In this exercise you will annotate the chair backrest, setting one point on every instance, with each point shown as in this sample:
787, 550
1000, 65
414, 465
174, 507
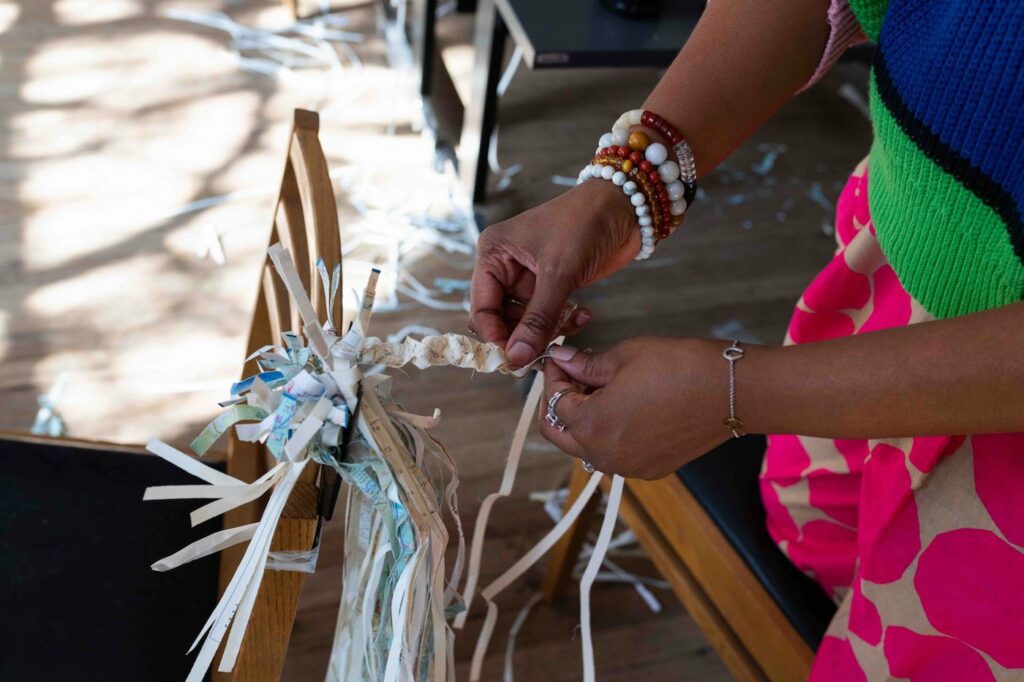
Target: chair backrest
306, 223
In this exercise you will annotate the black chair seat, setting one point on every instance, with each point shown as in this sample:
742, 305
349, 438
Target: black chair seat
725, 483
78, 597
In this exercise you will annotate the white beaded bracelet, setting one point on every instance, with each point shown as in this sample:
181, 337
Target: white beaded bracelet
636, 198
669, 171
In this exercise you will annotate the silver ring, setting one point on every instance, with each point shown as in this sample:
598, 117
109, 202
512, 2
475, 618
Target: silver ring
551, 417
587, 466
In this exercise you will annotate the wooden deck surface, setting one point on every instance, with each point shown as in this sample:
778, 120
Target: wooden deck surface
116, 117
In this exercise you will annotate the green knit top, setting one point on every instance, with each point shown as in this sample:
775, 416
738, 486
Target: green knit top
946, 181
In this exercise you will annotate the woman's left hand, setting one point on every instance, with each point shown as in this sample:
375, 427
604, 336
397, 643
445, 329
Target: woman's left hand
648, 406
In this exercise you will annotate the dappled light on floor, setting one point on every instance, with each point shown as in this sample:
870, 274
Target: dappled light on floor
142, 161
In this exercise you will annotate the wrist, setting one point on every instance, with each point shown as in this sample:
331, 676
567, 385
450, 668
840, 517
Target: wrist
615, 217
762, 398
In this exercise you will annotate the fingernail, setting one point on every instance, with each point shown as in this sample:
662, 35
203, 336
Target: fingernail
563, 353
520, 353
582, 317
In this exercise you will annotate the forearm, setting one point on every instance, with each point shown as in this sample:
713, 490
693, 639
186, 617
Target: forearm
956, 376
744, 60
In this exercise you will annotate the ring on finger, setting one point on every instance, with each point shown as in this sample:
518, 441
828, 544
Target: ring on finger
552, 418
587, 466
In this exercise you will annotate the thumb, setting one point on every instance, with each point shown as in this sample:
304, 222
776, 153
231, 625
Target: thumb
586, 368
539, 323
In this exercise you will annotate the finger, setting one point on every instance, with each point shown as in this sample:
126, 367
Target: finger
487, 296
515, 309
563, 440
513, 312
568, 409
576, 322
571, 404
590, 369
540, 320
522, 288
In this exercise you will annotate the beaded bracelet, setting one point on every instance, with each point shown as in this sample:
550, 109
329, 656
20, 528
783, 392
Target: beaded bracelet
643, 184
655, 194
682, 150
660, 189
638, 198
661, 205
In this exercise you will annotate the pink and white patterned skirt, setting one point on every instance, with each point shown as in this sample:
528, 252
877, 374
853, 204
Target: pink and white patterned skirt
919, 540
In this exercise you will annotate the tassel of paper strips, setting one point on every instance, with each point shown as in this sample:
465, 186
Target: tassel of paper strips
312, 402
305, 400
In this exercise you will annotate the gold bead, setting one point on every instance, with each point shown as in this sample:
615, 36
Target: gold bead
638, 141
627, 166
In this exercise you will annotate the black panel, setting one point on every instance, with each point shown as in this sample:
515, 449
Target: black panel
78, 600
725, 483
587, 33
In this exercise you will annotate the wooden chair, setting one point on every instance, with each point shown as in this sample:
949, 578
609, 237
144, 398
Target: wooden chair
306, 223
704, 531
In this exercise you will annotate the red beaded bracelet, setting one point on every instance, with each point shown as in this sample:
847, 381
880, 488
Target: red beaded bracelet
653, 121
680, 147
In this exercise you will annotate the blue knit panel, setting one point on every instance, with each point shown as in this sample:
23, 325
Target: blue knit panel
959, 66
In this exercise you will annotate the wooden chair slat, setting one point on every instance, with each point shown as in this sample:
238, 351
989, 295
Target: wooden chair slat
290, 224
753, 614
279, 311
688, 590
321, 221
306, 223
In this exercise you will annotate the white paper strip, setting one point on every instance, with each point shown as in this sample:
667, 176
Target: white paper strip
214, 542
307, 429
258, 487
513, 632
285, 267
508, 481
190, 464
611, 514
185, 492
520, 567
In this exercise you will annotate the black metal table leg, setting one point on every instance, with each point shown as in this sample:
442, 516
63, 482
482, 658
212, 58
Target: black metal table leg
423, 27
489, 39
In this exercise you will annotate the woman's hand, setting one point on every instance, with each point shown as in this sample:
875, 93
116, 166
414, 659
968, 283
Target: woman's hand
650, 405
655, 404
541, 257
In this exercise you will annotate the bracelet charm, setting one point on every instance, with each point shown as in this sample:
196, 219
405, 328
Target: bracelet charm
732, 354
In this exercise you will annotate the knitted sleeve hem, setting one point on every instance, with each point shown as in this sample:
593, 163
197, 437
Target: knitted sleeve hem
844, 32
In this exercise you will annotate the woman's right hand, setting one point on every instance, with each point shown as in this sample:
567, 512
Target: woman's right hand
540, 257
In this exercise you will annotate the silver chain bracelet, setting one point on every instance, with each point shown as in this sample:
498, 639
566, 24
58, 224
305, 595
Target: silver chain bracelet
732, 354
